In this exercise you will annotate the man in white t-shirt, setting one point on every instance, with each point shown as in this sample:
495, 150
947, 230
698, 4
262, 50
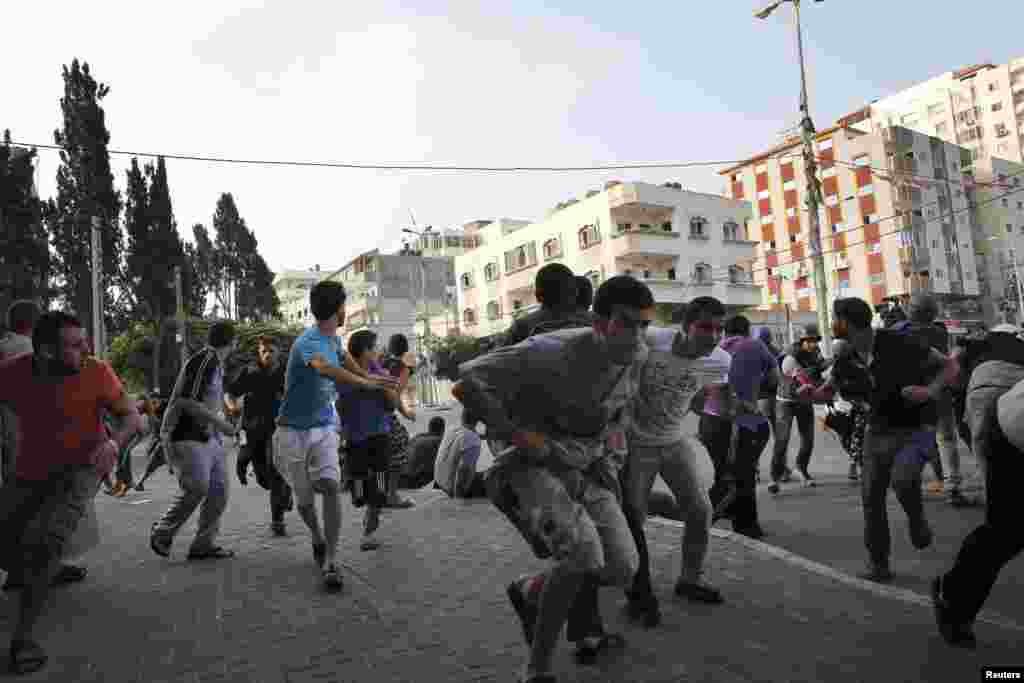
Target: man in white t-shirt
455, 467
680, 363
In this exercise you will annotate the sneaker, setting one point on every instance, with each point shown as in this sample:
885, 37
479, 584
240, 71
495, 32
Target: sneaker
159, 543
525, 609
804, 478
787, 476
332, 578
369, 542
644, 610
699, 591
879, 573
921, 534
773, 487
955, 633
278, 529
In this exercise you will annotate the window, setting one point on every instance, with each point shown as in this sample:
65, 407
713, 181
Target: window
731, 231
862, 160
491, 272
467, 280
828, 172
493, 310
1009, 229
698, 225
469, 316
875, 248
791, 212
453, 241
738, 276
792, 239
771, 245
761, 168
702, 274
589, 236
764, 194
552, 248
998, 106
765, 220
935, 244
992, 87
644, 226
1020, 206
672, 272
941, 128
1001, 131
825, 145
1006, 203
877, 279
789, 185
516, 304
437, 242
865, 190
831, 200
523, 256
625, 227
666, 226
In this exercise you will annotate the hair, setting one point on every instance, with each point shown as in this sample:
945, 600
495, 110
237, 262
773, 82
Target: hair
856, 312
436, 425
221, 334
361, 341
398, 345
326, 298
621, 290
700, 307
47, 330
555, 286
737, 326
584, 293
22, 315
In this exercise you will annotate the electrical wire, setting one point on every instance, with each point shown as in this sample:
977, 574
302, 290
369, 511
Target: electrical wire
402, 167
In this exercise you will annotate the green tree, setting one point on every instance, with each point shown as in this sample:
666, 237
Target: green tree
24, 245
85, 188
230, 235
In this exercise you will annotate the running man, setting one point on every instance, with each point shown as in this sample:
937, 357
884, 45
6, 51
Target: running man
306, 439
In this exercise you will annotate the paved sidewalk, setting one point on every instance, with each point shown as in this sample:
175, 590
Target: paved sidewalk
429, 605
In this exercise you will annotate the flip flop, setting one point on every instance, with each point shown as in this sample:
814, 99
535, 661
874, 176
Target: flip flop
27, 657
586, 653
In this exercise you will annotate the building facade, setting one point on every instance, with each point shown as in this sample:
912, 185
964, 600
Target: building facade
980, 108
895, 218
292, 287
682, 244
998, 199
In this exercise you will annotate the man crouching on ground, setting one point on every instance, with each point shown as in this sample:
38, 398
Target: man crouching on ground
556, 412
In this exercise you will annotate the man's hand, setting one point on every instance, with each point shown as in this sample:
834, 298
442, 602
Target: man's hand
917, 394
104, 458
531, 440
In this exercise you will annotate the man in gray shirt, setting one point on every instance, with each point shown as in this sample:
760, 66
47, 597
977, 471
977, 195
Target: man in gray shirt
556, 412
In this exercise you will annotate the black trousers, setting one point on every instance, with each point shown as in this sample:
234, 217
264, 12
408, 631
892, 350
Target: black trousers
987, 549
784, 414
715, 433
257, 452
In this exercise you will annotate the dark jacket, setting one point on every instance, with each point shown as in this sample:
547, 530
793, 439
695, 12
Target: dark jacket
546, 320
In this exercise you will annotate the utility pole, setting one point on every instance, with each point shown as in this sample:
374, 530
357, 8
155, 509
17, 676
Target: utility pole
179, 316
813, 187
99, 343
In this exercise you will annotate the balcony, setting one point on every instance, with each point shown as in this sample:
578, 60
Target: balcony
646, 242
646, 197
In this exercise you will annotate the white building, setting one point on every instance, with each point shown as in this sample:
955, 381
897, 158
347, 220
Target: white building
980, 108
682, 244
292, 287
999, 210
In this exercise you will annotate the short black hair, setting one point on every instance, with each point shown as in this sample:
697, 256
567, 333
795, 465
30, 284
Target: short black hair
700, 307
436, 425
584, 293
47, 330
856, 312
361, 341
398, 345
737, 326
555, 286
22, 315
621, 290
325, 298
221, 334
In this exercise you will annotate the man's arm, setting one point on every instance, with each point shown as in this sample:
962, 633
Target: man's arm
466, 470
344, 375
947, 376
485, 381
128, 421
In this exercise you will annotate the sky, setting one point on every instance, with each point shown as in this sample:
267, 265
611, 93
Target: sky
523, 83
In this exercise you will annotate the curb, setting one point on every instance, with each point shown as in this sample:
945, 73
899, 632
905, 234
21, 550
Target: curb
891, 592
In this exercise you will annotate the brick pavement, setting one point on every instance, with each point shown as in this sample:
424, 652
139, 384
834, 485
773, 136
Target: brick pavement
429, 605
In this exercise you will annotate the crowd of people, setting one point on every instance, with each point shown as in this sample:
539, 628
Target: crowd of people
583, 403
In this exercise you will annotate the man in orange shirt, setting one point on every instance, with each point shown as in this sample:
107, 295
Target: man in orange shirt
59, 396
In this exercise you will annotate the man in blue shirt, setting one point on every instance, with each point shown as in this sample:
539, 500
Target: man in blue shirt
306, 439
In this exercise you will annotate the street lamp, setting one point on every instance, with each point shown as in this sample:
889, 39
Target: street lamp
811, 173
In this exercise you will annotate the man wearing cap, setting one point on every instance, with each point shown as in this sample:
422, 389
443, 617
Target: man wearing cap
801, 383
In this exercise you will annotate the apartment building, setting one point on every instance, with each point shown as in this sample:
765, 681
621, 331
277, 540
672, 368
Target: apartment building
682, 244
980, 108
446, 243
998, 199
896, 218
292, 287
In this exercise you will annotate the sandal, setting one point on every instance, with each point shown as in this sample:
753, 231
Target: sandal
27, 657
216, 553
587, 651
